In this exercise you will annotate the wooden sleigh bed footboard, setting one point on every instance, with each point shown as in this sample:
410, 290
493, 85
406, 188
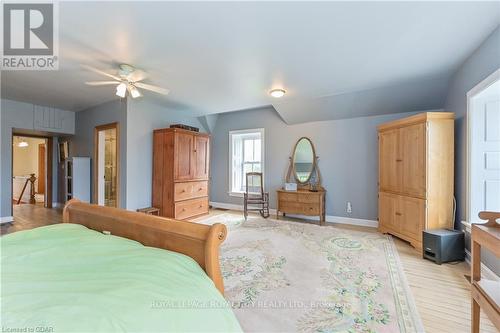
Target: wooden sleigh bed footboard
198, 241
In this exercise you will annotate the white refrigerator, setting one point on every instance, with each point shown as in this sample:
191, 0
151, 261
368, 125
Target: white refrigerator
81, 178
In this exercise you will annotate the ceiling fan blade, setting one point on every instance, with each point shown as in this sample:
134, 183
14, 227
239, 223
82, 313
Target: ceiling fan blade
101, 83
137, 75
98, 71
150, 87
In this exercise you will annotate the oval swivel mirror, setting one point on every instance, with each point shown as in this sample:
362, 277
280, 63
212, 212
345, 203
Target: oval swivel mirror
304, 159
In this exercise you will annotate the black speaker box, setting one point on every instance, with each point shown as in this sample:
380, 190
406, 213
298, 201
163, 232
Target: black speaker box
442, 245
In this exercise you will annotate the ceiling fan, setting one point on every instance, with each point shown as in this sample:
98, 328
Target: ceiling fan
127, 79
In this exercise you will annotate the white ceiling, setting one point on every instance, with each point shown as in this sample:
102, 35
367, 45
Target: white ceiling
225, 56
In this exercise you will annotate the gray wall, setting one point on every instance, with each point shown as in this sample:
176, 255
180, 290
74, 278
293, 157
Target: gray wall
82, 143
143, 117
483, 62
18, 116
347, 150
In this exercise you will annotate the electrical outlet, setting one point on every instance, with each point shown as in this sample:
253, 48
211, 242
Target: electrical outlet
349, 207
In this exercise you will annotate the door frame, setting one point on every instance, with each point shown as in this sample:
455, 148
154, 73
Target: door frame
49, 141
95, 170
44, 145
477, 89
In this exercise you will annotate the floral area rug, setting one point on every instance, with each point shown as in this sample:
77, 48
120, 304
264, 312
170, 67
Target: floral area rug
297, 277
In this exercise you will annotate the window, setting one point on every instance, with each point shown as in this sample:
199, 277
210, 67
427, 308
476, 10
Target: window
246, 155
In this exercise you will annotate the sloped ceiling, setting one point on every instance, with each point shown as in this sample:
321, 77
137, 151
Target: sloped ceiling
335, 59
209, 121
417, 95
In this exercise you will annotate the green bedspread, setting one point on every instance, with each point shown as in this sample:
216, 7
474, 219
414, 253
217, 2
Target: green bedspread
67, 278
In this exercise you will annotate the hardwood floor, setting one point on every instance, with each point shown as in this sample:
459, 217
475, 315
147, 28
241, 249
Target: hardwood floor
441, 292
31, 216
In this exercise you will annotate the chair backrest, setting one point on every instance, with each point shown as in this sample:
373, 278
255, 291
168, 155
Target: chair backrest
254, 183
491, 217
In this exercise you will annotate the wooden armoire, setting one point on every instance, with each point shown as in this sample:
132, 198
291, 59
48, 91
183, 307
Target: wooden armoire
416, 175
181, 162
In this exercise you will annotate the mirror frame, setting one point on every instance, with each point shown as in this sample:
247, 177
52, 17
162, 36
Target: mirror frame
315, 170
313, 161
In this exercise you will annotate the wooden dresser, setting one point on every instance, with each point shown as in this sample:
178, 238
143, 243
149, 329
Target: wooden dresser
485, 293
181, 162
302, 202
416, 175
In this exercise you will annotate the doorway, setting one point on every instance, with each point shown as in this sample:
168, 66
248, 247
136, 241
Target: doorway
483, 164
31, 170
106, 165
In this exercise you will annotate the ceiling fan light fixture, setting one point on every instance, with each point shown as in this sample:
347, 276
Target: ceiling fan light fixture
134, 92
277, 93
121, 90
128, 79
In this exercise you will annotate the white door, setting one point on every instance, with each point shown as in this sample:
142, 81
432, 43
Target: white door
484, 147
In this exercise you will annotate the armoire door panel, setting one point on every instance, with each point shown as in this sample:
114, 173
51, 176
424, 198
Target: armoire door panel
389, 161
201, 154
413, 217
389, 215
413, 155
184, 164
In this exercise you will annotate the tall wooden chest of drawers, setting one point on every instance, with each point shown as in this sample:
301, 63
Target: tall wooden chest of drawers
181, 162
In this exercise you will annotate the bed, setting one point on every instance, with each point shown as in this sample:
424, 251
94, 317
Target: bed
111, 270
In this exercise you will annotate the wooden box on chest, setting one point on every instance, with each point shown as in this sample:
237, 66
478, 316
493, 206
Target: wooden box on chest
181, 162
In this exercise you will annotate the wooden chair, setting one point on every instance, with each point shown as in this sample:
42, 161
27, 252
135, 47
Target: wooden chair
485, 293
255, 196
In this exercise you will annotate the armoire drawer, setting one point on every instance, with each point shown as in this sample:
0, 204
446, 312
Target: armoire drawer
190, 190
193, 207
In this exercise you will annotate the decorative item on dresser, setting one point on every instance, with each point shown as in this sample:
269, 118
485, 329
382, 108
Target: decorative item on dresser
309, 197
180, 172
485, 293
185, 127
416, 175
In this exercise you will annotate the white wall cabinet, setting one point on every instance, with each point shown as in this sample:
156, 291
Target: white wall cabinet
53, 120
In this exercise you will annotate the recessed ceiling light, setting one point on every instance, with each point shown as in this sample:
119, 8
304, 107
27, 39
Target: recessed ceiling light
23, 144
277, 93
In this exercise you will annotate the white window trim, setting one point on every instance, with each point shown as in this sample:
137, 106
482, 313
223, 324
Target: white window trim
492, 78
230, 191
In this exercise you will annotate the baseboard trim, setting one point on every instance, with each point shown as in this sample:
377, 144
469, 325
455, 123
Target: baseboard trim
328, 218
224, 205
485, 271
352, 221
6, 219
